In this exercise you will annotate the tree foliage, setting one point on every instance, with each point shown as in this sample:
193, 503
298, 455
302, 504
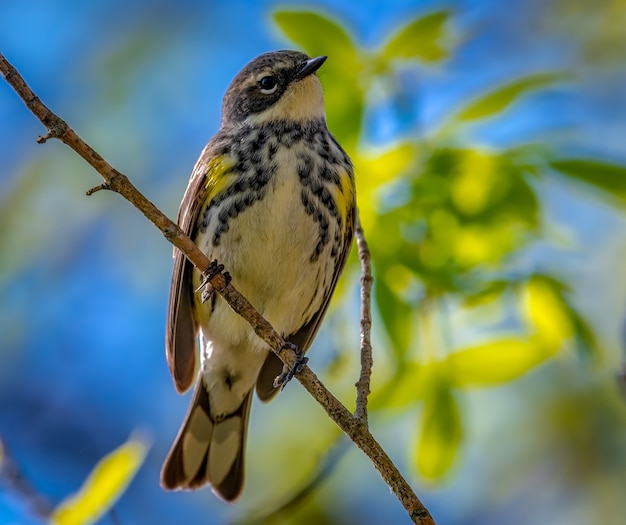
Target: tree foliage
448, 222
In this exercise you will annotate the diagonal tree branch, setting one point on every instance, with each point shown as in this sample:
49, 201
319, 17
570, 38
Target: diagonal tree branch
353, 427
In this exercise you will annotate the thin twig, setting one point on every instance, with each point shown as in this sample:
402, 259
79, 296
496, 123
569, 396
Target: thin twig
367, 360
118, 182
324, 469
115, 520
13, 478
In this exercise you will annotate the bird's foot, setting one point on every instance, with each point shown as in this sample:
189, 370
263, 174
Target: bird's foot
213, 270
298, 365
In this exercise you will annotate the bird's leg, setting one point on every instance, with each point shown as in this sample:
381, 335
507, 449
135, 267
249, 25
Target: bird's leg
213, 270
298, 365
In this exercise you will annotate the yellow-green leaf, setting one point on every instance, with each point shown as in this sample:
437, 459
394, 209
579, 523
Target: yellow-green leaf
585, 337
406, 387
375, 169
490, 293
495, 362
478, 175
440, 435
103, 487
419, 39
477, 244
498, 100
546, 313
396, 314
318, 35
380, 166
607, 177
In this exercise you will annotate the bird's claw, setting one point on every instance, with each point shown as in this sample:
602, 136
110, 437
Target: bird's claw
213, 270
298, 365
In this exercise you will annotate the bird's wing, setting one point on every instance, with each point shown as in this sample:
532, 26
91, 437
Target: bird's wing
303, 338
182, 329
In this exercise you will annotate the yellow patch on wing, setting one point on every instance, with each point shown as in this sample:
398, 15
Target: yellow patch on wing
344, 194
218, 175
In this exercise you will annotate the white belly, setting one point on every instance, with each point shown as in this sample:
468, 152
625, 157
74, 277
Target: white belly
267, 249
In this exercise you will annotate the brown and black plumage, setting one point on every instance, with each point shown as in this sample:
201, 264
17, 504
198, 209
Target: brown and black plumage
272, 199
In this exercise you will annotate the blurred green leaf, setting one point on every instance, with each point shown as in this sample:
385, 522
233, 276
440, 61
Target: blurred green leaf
546, 313
477, 185
466, 208
319, 35
36, 207
419, 39
440, 435
485, 293
120, 69
490, 187
495, 362
607, 177
585, 337
18, 206
476, 181
409, 385
586, 341
521, 202
103, 487
499, 99
396, 314
557, 284
382, 165
377, 168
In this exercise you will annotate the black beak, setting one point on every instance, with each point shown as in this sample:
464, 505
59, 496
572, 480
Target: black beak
310, 67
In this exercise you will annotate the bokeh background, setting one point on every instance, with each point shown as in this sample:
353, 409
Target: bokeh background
489, 144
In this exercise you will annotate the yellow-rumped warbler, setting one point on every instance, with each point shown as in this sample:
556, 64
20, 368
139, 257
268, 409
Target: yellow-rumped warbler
272, 198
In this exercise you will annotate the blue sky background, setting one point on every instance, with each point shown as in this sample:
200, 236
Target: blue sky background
84, 281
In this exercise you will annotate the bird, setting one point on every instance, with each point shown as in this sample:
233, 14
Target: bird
272, 198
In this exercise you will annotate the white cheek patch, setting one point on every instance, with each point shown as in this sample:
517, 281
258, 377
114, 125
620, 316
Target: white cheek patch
303, 101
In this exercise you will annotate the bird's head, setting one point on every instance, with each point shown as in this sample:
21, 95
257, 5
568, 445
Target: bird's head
281, 85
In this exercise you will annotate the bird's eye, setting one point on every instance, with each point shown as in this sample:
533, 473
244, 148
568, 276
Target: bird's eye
268, 85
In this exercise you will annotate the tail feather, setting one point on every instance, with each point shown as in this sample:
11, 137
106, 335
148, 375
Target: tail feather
208, 451
265, 388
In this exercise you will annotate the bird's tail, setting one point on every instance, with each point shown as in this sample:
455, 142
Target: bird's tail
208, 451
